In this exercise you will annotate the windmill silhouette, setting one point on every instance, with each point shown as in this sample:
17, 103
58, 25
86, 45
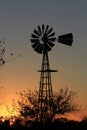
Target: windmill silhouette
42, 40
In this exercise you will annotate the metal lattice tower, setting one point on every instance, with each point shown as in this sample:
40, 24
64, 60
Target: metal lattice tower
45, 90
42, 40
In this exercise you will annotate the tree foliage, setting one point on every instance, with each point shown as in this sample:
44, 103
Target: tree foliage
63, 102
28, 104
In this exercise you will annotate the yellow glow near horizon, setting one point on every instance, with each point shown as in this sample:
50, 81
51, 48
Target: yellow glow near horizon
7, 111
8, 106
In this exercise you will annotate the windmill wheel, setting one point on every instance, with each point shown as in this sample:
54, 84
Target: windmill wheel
42, 39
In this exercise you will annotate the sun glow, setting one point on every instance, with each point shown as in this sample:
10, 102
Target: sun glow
8, 111
5, 113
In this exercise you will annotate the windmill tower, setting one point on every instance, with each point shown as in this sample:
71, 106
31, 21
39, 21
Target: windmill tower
42, 40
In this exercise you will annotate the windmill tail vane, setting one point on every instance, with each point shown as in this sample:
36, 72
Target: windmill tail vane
66, 39
42, 41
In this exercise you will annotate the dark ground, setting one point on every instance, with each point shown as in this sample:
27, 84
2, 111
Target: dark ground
56, 125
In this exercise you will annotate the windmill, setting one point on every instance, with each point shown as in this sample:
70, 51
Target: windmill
42, 40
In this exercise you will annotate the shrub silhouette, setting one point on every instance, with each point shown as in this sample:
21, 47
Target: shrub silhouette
63, 102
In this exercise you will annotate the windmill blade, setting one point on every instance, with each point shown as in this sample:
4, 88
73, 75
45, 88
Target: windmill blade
34, 36
43, 28
36, 32
52, 34
50, 43
34, 40
46, 29
38, 48
35, 45
49, 31
66, 39
43, 38
47, 47
39, 30
52, 39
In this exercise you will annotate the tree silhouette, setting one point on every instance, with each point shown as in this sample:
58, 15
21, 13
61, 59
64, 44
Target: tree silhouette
63, 102
28, 104
2, 53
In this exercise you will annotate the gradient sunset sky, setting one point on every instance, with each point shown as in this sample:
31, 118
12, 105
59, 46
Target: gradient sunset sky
18, 18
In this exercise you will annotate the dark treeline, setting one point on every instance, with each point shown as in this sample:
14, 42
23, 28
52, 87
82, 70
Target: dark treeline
60, 124
64, 102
